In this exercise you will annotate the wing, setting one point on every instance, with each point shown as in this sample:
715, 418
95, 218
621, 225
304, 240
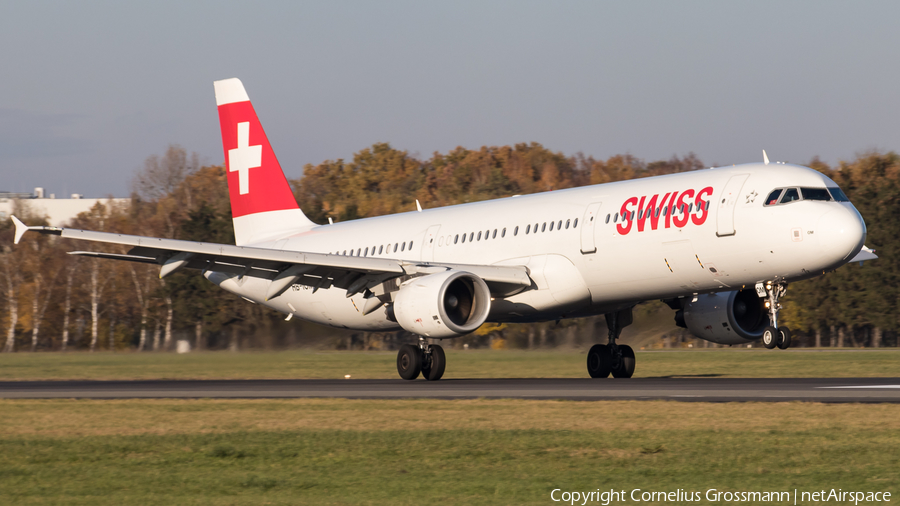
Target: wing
283, 268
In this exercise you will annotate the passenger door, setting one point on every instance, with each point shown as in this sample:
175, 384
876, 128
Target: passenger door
726, 203
430, 242
587, 228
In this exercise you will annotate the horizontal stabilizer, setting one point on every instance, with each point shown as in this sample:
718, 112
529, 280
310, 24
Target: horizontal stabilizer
864, 254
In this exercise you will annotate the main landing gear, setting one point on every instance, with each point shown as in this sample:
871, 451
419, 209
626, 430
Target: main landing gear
428, 359
773, 335
612, 358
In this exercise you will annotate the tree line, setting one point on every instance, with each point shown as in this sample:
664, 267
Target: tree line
56, 301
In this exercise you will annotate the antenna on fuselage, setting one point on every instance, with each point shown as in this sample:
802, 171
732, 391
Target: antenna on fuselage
765, 157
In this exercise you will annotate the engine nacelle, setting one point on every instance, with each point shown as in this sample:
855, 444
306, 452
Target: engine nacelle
446, 304
727, 317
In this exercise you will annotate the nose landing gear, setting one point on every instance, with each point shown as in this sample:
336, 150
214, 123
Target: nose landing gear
773, 335
612, 358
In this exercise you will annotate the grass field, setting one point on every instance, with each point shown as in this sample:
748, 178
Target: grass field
385, 452
335, 451
299, 364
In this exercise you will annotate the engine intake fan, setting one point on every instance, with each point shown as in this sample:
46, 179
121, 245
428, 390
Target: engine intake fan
446, 304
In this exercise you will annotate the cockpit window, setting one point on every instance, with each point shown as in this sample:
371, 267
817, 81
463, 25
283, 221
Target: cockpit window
790, 195
815, 194
772, 199
838, 194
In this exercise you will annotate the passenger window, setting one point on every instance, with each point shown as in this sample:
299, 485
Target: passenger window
575, 224
471, 235
479, 235
455, 239
495, 234
528, 229
690, 208
815, 194
464, 239
632, 216
559, 225
366, 252
441, 241
640, 214
551, 226
395, 247
569, 222
616, 218
487, 235
380, 249
544, 227
790, 195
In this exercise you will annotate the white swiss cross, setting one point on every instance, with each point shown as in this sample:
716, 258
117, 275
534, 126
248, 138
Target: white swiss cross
244, 157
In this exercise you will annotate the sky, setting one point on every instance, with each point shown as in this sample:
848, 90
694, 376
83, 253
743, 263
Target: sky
91, 89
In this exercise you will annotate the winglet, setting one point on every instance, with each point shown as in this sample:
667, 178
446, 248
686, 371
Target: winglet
765, 157
21, 228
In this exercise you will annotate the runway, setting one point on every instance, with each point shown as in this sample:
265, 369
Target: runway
841, 390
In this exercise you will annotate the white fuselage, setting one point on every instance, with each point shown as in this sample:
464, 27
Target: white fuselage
603, 263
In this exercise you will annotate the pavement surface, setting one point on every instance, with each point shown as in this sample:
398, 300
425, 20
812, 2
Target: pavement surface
679, 389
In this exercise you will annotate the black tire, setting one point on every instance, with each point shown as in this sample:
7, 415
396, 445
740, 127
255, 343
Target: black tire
599, 362
770, 337
784, 338
409, 362
433, 368
624, 366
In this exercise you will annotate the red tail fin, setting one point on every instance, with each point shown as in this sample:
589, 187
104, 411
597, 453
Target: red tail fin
262, 204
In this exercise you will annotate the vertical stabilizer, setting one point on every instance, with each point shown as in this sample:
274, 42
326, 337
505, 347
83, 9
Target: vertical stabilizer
262, 204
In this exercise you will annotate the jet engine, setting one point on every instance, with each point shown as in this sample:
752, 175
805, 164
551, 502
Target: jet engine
725, 317
446, 304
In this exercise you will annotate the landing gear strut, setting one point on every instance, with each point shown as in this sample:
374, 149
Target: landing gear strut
773, 335
617, 359
428, 359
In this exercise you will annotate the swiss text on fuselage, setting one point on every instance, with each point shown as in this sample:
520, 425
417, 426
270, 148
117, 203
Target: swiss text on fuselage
673, 209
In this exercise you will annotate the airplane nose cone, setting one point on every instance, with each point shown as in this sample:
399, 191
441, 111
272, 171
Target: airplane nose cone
841, 233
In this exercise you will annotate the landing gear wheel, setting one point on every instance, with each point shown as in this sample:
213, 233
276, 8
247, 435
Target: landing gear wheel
784, 338
434, 363
770, 337
599, 361
623, 366
409, 362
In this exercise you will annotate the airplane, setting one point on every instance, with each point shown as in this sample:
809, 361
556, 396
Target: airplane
718, 245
